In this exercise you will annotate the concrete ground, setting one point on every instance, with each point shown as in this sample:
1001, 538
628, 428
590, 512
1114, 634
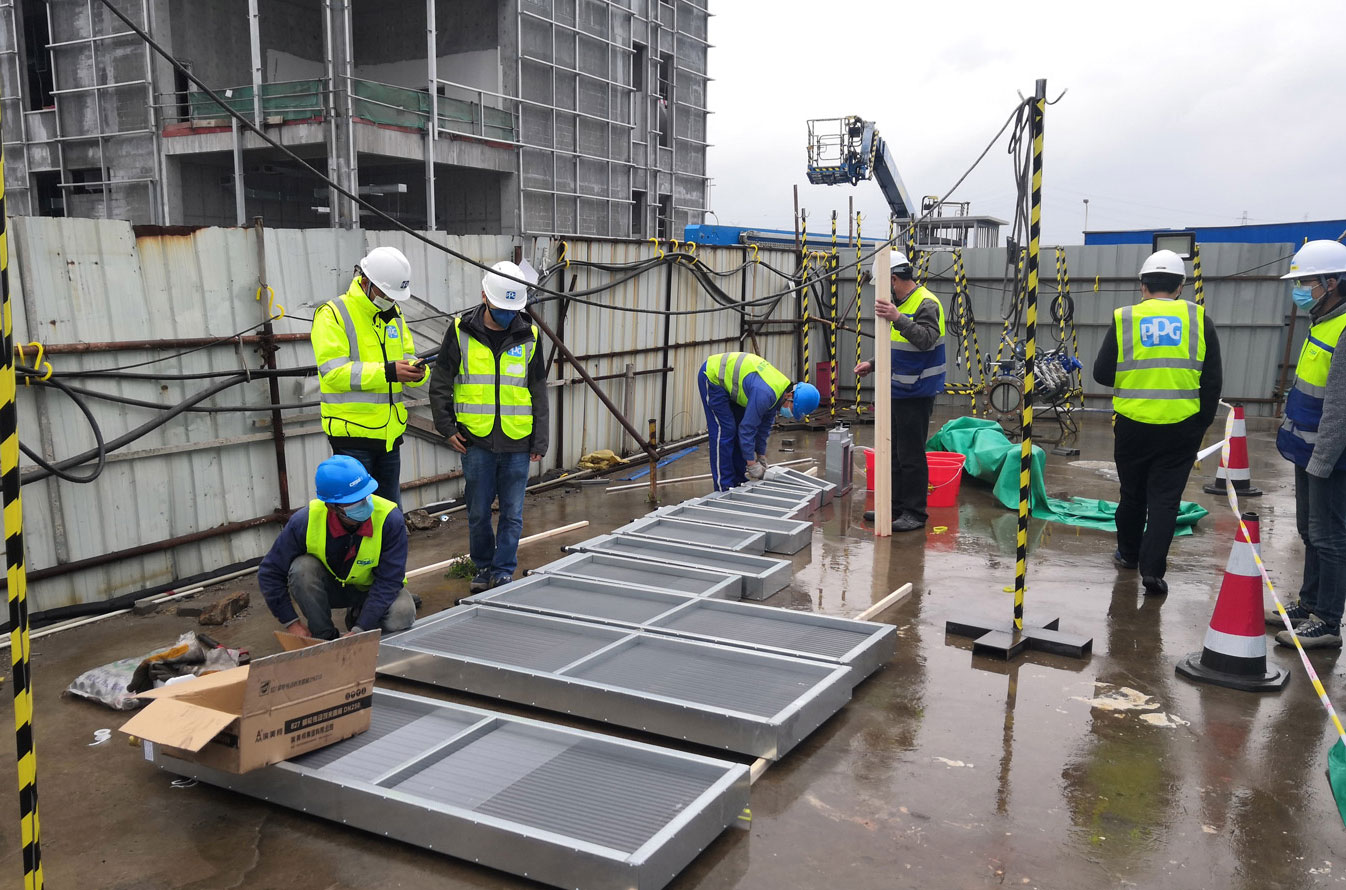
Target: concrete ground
945, 770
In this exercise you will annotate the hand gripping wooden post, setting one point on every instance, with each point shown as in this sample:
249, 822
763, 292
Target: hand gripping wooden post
883, 403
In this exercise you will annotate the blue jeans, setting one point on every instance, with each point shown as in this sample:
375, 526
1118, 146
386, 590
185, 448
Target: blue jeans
316, 593
1320, 516
728, 466
384, 466
488, 476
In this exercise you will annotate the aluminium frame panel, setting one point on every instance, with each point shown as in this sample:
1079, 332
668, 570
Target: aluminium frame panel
638, 574
785, 536
762, 576
786, 490
721, 503
792, 476
749, 702
735, 538
506, 769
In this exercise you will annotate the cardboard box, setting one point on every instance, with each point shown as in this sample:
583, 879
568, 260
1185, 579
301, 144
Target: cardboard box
305, 698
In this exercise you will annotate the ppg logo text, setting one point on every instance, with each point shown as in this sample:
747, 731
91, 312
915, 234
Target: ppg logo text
1161, 331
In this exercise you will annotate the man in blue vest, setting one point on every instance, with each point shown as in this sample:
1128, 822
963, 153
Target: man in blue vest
346, 550
1313, 437
916, 338
1162, 359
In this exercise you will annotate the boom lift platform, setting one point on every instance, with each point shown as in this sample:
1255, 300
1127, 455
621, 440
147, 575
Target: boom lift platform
850, 150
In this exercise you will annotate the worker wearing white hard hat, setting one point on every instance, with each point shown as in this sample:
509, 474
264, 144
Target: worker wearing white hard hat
916, 342
365, 356
1313, 437
1161, 357
489, 400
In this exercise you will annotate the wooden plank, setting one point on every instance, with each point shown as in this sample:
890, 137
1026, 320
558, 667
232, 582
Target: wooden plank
883, 405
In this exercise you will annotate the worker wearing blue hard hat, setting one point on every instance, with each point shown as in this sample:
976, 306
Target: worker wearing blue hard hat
742, 394
916, 338
346, 550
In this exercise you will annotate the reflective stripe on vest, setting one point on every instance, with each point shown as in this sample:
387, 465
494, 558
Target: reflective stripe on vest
481, 374
371, 548
917, 372
727, 370
1304, 403
374, 410
1161, 348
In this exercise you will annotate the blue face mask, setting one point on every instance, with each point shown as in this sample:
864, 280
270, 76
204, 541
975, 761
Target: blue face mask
503, 317
785, 413
1303, 297
360, 510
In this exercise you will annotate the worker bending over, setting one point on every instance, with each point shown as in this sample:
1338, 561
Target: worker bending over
365, 357
916, 340
1161, 357
742, 393
489, 399
1313, 437
346, 550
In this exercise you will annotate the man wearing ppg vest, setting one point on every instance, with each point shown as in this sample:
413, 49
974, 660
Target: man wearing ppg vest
1162, 359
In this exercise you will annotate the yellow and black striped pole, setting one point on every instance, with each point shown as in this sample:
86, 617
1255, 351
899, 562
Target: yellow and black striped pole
1067, 327
17, 576
807, 290
1198, 283
834, 263
859, 280
1030, 352
967, 332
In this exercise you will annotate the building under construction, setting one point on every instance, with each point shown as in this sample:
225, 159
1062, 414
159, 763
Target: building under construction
472, 117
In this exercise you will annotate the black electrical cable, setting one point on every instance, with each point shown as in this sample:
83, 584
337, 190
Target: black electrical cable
100, 449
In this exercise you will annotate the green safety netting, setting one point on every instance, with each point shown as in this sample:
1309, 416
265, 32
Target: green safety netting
293, 100
994, 459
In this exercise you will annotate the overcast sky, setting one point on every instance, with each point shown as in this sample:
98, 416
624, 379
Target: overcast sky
1178, 113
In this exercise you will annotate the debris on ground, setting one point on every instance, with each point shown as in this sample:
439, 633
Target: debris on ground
117, 684
603, 459
420, 521
225, 609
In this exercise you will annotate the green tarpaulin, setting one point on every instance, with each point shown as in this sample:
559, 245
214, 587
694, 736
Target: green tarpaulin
994, 459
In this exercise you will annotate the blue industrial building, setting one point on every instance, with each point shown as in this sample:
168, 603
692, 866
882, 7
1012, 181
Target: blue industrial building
1270, 233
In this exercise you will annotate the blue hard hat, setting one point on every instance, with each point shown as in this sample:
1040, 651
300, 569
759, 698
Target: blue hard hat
342, 479
805, 399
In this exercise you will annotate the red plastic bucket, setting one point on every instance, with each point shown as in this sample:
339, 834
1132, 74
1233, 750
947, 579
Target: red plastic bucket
869, 469
946, 475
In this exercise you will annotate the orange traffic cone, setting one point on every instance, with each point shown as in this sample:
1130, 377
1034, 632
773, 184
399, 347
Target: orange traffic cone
1235, 654
1238, 471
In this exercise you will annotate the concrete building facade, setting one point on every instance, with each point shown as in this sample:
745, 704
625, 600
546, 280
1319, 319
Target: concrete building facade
540, 117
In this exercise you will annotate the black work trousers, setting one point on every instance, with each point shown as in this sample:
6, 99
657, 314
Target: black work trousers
911, 475
1153, 463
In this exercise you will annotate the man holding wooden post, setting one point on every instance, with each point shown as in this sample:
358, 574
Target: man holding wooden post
916, 352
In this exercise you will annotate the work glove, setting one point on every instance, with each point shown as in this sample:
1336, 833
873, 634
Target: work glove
762, 461
756, 471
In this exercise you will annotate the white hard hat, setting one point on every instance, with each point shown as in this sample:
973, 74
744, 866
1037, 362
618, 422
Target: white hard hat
1317, 258
501, 292
1165, 261
388, 269
896, 260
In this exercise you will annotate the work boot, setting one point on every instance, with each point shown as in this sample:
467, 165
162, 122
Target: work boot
907, 523
1313, 634
1155, 586
500, 580
1122, 562
481, 582
1294, 611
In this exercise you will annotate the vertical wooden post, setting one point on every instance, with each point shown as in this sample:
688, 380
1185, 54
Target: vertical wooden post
883, 403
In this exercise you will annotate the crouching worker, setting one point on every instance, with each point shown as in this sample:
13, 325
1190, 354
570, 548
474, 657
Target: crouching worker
346, 550
742, 394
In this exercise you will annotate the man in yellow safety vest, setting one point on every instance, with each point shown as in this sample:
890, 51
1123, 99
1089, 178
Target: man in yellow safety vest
346, 550
1161, 357
365, 358
1313, 437
489, 399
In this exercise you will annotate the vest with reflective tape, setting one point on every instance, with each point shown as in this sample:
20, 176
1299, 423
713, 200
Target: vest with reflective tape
917, 372
1304, 405
1161, 347
482, 374
353, 344
366, 558
728, 369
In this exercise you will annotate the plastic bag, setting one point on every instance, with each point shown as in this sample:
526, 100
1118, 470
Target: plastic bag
117, 684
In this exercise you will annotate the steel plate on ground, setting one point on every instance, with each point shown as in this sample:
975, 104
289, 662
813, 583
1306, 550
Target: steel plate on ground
563, 806
782, 535
644, 574
741, 539
762, 576
860, 645
722, 696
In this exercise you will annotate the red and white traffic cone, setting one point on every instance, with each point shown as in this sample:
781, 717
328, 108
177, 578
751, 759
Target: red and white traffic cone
1235, 654
1237, 471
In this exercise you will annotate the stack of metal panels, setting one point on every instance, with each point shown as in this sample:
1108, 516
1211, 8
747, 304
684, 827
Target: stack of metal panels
781, 535
761, 576
636, 574
563, 806
742, 539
